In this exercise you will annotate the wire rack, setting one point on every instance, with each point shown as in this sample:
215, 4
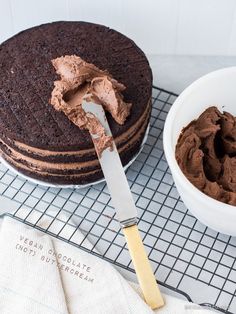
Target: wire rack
187, 257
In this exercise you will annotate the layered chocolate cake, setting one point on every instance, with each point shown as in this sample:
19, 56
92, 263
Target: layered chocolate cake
39, 140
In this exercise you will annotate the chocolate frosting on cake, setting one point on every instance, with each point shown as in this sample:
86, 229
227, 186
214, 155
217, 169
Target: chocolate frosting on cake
206, 153
84, 81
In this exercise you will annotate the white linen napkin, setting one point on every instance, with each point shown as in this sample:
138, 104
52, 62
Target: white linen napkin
42, 275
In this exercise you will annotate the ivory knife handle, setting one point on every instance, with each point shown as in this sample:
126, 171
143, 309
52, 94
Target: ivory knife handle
146, 278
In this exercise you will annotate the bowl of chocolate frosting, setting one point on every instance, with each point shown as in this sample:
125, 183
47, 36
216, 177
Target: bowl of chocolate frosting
200, 148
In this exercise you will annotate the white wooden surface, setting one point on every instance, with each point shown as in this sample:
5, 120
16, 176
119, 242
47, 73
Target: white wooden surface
174, 27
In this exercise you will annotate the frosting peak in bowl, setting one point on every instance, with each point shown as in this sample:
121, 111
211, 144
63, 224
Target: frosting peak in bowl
206, 153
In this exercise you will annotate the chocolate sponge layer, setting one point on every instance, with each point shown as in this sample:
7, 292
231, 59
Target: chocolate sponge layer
27, 118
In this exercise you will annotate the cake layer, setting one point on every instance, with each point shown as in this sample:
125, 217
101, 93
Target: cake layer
27, 83
79, 155
63, 167
43, 143
85, 175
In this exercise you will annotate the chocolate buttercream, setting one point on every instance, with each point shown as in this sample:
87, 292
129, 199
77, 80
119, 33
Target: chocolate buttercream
206, 153
81, 80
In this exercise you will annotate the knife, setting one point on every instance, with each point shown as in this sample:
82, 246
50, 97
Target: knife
126, 210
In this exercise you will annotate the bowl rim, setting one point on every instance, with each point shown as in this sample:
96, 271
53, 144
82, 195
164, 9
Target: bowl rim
170, 153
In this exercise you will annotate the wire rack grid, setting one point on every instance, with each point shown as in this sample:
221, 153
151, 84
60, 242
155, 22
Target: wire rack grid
187, 257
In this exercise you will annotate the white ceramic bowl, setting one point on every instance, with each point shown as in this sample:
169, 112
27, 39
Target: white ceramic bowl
219, 89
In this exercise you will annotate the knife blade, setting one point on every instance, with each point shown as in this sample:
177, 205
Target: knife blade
112, 168
126, 210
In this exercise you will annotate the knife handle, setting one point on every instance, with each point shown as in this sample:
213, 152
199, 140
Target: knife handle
146, 278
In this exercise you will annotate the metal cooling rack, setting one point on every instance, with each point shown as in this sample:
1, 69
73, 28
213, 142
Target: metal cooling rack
188, 258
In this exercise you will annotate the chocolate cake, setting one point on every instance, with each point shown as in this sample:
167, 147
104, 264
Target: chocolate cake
43, 143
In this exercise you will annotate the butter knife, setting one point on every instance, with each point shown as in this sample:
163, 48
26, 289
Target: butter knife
126, 210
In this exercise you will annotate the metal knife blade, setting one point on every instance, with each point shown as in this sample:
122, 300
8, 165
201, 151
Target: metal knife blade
126, 211
114, 174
